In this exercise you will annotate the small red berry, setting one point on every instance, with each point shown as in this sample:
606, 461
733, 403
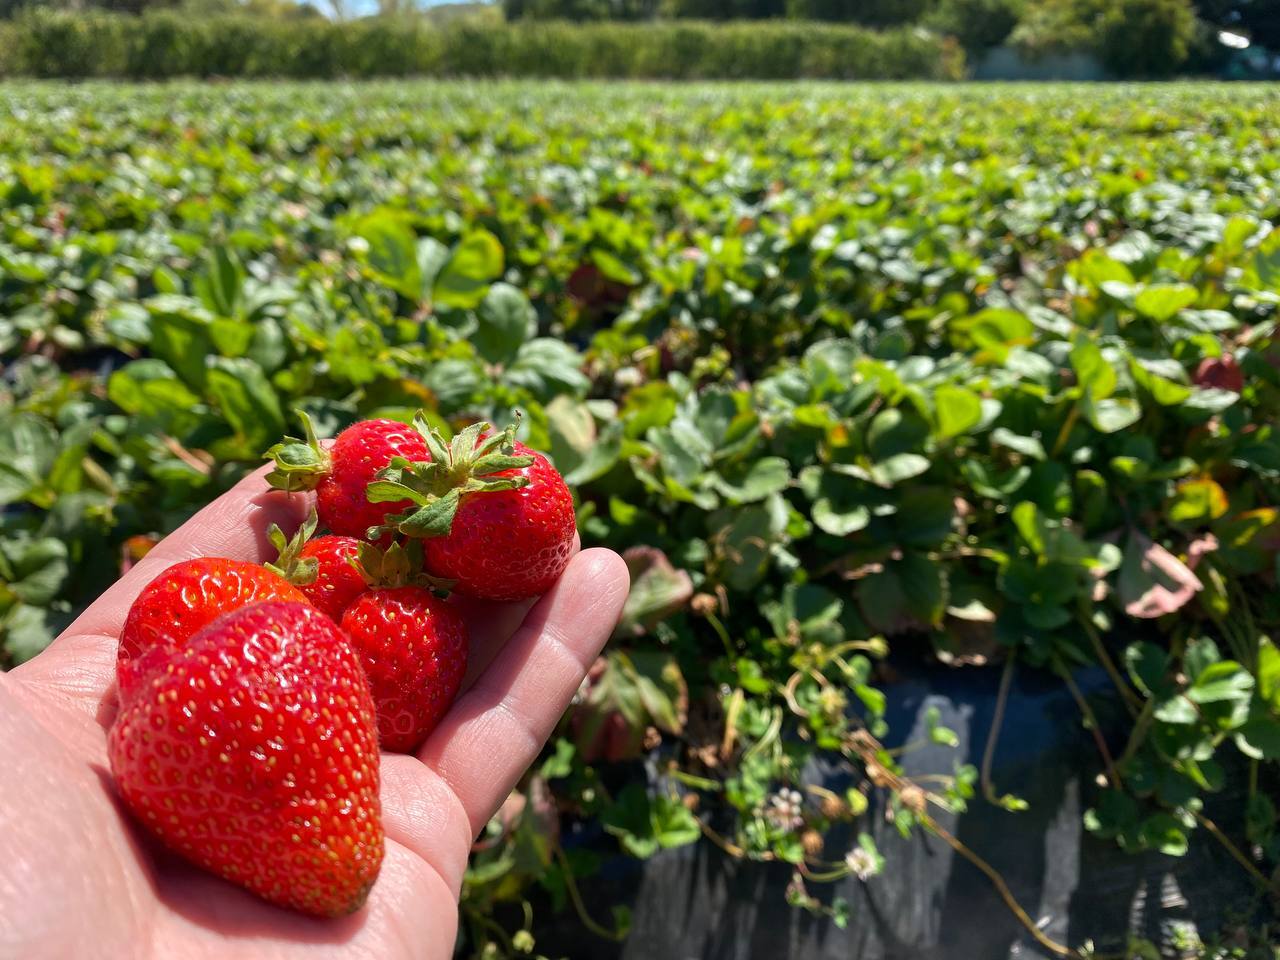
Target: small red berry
252, 751
338, 580
413, 647
184, 599
341, 475
494, 516
508, 544
358, 453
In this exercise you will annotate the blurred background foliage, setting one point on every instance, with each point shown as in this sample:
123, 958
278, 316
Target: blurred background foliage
682, 39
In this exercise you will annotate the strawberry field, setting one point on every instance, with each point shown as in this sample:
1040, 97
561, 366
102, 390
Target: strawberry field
857, 378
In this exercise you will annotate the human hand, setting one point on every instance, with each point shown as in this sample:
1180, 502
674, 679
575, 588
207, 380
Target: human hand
78, 879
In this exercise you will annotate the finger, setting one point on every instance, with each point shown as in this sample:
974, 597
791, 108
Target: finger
490, 625
234, 525
422, 813
496, 729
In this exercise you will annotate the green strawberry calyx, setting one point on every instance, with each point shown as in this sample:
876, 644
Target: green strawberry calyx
289, 563
465, 466
300, 464
399, 565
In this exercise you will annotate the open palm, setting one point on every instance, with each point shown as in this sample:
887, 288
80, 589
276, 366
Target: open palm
78, 879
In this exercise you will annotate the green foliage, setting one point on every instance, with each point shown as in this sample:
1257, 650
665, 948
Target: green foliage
870, 13
1132, 38
977, 24
44, 43
1146, 38
837, 368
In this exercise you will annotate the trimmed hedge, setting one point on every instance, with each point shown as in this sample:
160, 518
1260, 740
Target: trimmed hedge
162, 45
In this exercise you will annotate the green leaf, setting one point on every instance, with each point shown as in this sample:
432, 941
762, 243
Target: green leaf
1164, 391
937, 733
674, 824
1162, 832
37, 569
1201, 654
28, 446
643, 825
465, 277
745, 535
1027, 446
220, 286
1259, 736
925, 516
752, 482
129, 321
910, 592
899, 467
839, 521
547, 367
1268, 672
1176, 709
433, 519
958, 409
26, 631
505, 321
1113, 415
658, 590
1161, 301
245, 396
1094, 374
995, 330
1225, 680
560, 763
183, 341
1196, 502
1147, 666
893, 432
431, 255
392, 252
1211, 399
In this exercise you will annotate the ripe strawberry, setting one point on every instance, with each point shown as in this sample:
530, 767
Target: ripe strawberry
1221, 372
497, 518
337, 581
413, 647
185, 598
324, 569
341, 475
252, 751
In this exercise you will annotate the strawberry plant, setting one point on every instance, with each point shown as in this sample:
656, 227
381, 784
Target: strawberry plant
984, 376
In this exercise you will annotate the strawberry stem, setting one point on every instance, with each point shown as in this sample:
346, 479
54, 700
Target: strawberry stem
397, 566
465, 466
298, 570
300, 464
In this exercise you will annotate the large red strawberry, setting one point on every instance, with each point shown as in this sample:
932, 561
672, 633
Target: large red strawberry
252, 751
341, 475
497, 518
413, 647
184, 599
324, 569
